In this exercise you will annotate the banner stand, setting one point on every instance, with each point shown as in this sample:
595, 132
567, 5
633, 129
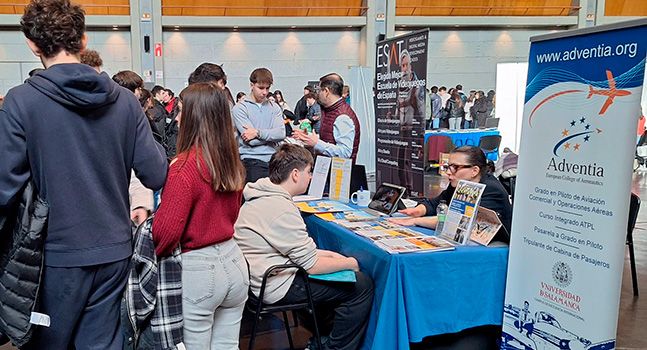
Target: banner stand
572, 196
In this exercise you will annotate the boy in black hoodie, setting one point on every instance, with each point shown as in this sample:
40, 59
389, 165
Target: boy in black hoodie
77, 134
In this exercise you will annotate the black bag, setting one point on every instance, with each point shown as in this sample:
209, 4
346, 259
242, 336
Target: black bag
444, 114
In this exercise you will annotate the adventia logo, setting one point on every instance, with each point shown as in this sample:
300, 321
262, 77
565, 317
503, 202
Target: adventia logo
575, 136
578, 169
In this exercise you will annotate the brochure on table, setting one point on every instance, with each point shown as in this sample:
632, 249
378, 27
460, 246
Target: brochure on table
340, 179
322, 206
462, 211
486, 226
578, 140
415, 244
318, 182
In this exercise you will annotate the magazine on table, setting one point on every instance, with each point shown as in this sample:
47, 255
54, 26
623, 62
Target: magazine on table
462, 212
323, 206
356, 225
486, 227
415, 244
378, 233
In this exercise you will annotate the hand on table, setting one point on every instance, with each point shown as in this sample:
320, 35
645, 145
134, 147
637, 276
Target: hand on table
403, 221
416, 212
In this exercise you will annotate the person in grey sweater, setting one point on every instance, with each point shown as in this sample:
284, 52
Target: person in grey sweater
271, 231
259, 125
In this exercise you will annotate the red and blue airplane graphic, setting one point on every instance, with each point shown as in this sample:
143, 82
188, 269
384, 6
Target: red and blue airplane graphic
612, 92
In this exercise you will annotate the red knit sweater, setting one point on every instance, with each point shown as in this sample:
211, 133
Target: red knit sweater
192, 213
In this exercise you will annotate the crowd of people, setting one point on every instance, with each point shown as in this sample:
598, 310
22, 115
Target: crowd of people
453, 109
199, 149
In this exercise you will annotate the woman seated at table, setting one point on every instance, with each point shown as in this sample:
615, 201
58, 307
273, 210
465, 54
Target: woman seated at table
465, 163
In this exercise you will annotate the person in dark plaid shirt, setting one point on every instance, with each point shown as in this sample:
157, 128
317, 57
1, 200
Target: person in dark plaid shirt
153, 297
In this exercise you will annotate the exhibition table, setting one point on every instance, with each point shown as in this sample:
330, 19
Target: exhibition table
421, 294
459, 138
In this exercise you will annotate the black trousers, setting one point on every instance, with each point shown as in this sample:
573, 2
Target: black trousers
350, 304
84, 306
256, 169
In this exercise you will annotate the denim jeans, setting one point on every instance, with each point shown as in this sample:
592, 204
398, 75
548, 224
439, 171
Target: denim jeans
215, 280
454, 123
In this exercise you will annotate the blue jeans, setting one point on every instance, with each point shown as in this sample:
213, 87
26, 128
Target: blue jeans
215, 281
454, 123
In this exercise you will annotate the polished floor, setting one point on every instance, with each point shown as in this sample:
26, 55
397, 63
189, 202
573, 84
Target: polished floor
632, 319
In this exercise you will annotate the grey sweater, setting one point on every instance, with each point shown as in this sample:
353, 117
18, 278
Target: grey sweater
267, 118
270, 231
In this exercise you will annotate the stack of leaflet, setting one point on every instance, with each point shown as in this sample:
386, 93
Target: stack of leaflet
395, 238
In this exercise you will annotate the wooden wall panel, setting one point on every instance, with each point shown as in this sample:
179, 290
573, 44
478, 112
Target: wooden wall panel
269, 8
91, 7
484, 8
625, 8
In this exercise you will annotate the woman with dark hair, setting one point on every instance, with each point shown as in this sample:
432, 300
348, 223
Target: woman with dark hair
240, 96
278, 96
200, 205
455, 108
465, 163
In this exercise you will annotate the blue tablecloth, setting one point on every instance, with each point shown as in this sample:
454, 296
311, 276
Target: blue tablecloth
421, 294
465, 137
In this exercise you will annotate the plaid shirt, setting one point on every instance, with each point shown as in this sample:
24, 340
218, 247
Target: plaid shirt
155, 291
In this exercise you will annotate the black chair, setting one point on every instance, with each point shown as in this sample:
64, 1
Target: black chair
490, 144
634, 207
260, 308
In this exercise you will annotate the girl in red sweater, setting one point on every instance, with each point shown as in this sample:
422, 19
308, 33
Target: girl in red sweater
200, 205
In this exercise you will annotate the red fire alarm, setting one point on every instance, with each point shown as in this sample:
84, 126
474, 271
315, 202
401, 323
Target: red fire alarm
158, 49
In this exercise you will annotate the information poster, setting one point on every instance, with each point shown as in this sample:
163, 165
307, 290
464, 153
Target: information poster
571, 205
340, 179
401, 78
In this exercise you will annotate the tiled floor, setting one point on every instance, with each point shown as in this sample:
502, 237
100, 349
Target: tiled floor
633, 310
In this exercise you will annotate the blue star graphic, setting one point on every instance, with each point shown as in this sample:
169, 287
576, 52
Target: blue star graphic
587, 126
586, 138
573, 123
582, 120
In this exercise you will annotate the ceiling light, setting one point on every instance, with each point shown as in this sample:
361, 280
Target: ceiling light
293, 27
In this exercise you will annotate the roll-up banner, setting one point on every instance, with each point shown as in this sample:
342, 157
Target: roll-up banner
572, 196
400, 92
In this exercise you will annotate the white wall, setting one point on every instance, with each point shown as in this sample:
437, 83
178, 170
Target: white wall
16, 60
293, 57
469, 56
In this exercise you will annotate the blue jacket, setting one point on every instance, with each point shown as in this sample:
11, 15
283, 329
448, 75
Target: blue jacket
79, 135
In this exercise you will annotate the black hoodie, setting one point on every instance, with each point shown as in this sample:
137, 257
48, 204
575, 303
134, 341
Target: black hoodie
80, 134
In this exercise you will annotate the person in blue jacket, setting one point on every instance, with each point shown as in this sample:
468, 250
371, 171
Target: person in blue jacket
77, 135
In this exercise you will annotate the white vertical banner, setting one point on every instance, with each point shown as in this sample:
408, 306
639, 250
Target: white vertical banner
571, 205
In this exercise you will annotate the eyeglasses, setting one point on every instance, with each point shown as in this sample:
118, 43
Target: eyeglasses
454, 167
